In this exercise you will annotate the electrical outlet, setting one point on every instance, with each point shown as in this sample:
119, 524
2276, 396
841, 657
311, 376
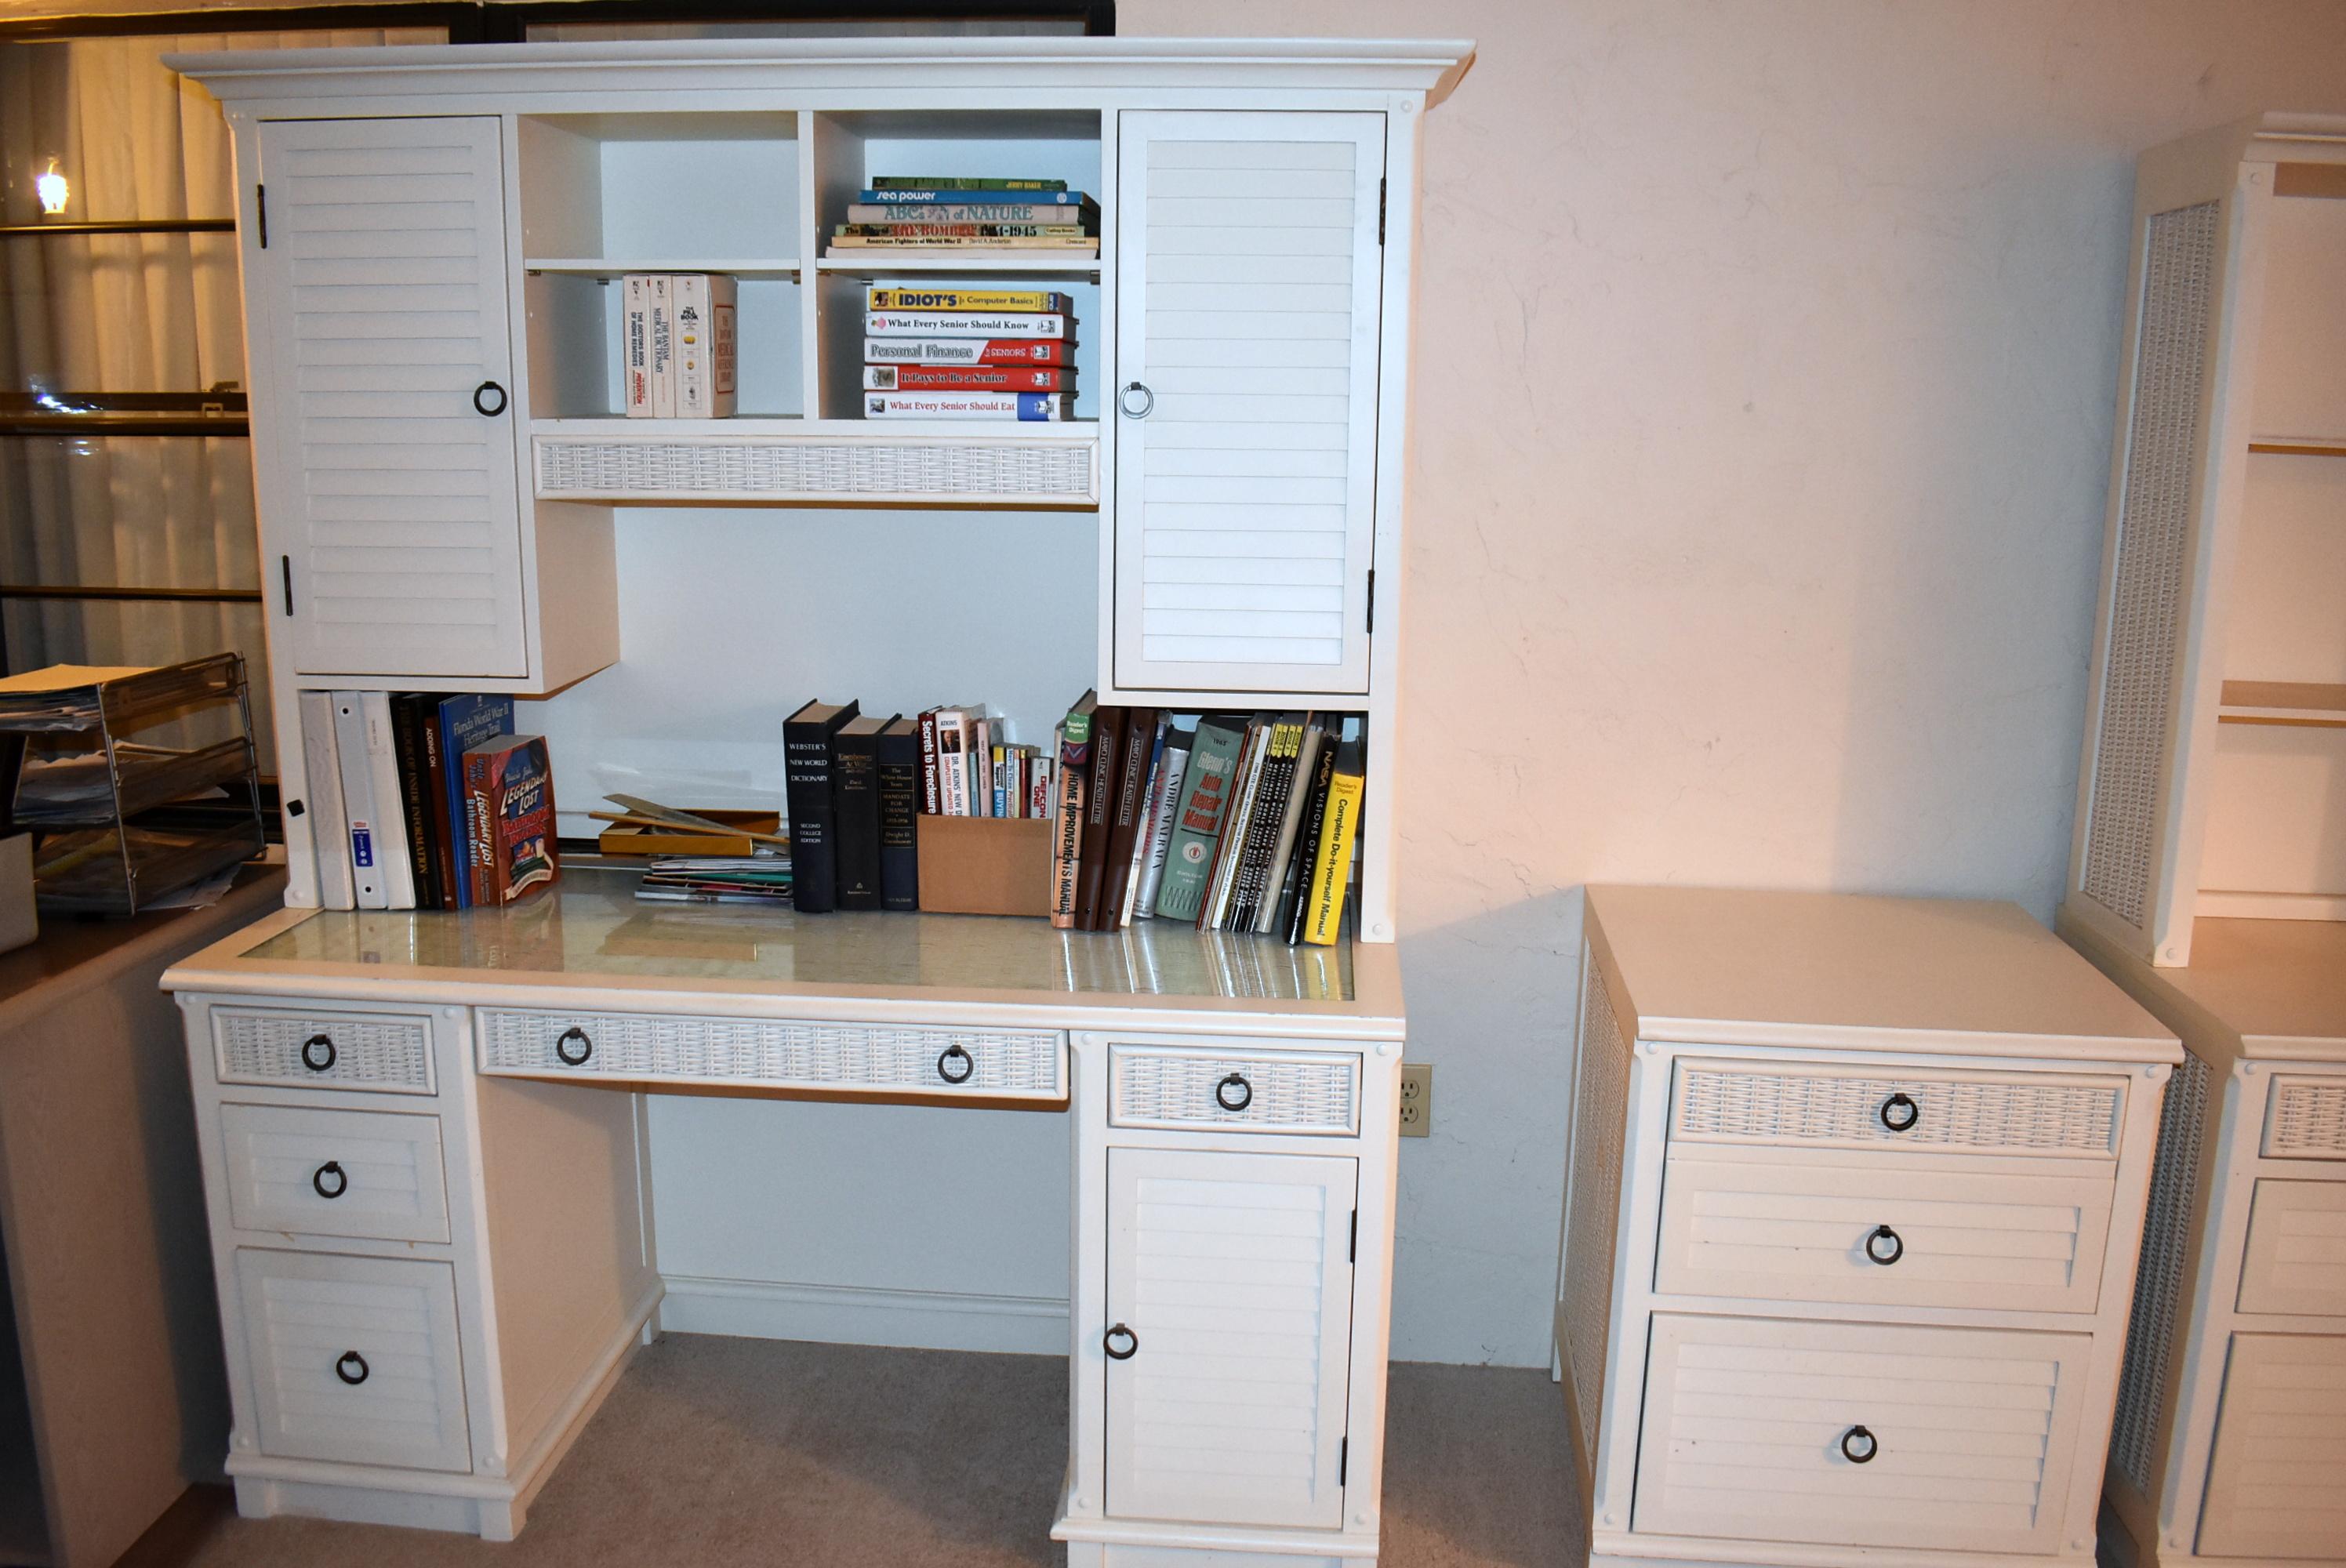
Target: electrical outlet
1416, 1099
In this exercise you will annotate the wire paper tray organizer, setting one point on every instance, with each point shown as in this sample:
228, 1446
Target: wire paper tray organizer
134, 787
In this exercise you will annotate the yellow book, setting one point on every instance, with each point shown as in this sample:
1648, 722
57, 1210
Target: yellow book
1331, 869
1045, 302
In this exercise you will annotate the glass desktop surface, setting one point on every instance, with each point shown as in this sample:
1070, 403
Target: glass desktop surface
590, 924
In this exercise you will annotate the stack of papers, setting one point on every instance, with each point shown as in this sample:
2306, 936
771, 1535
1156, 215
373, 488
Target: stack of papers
763, 878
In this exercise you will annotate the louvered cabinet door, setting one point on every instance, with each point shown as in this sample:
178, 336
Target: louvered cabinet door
1249, 287
1231, 1287
393, 495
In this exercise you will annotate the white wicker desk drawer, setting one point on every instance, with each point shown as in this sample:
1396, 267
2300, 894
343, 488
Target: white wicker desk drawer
2308, 1119
1875, 1228
1944, 1111
390, 1052
1236, 1090
302, 1171
1858, 1434
842, 1058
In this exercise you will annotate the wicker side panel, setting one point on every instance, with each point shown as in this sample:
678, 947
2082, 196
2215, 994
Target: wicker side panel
2309, 1120
1600, 1122
1150, 1088
2158, 1281
2149, 598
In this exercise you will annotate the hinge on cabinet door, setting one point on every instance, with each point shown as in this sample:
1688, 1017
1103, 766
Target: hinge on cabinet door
1381, 212
260, 211
1369, 620
1343, 1458
1353, 1248
285, 565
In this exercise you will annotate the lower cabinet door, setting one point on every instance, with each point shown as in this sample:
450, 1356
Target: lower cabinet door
354, 1358
1229, 1301
1858, 1434
2274, 1484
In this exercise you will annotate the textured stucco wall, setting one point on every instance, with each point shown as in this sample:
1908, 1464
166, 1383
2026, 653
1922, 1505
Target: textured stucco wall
1765, 356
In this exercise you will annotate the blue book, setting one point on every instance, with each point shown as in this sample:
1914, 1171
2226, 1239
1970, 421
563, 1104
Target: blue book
975, 197
466, 723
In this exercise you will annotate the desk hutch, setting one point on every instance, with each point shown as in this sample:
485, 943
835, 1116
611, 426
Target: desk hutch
424, 1133
2208, 870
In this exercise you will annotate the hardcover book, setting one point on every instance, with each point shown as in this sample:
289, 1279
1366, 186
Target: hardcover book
1293, 903
410, 718
1138, 745
1333, 867
899, 767
814, 828
971, 300
928, 182
1075, 761
509, 817
855, 800
1025, 407
968, 351
635, 345
1198, 827
1021, 211
964, 325
967, 378
466, 722
705, 344
1099, 812
662, 298
1030, 192
1163, 809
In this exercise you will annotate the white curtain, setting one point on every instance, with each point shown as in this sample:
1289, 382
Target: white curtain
121, 314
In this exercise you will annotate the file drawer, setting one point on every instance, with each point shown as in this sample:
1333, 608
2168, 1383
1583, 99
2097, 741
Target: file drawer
2296, 1255
1858, 1434
1244, 1091
1824, 1225
354, 1360
390, 1052
304, 1171
1947, 1112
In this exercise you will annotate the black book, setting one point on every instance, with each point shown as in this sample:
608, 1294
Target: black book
855, 794
416, 791
1294, 903
1099, 813
807, 737
900, 814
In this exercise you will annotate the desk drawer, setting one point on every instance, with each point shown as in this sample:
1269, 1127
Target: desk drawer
354, 1360
1242, 1091
308, 1172
1822, 1225
843, 1058
1858, 1434
2308, 1119
1946, 1112
390, 1052
2296, 1255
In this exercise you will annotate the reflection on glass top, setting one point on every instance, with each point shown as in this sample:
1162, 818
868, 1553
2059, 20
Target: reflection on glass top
591, 925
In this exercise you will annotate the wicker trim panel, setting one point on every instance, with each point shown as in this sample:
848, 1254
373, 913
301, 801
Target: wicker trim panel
2307, 1120
808, 468
389, 1054
2159, 1277
1593, 1200
1981, 1114
1155, 1086
2152, 573
871, 1058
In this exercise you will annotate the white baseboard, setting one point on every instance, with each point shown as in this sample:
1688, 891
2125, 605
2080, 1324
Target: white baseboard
856, 1314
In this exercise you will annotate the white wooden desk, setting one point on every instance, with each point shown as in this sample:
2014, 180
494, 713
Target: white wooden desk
426, 1158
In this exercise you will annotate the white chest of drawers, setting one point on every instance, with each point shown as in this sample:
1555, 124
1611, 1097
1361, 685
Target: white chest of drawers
1855, 1190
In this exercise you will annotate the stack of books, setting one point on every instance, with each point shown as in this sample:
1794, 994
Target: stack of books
969, 216
678, 337
968, 353
1240, 824
418, 801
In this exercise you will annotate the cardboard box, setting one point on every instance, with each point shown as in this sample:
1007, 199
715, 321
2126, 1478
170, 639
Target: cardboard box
18, 923
986, 865
627, 838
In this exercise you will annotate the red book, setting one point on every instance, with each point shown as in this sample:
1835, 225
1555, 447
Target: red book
979, 378
509, 818
968, 351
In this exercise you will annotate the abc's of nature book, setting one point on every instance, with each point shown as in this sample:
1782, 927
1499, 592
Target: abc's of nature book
509, 818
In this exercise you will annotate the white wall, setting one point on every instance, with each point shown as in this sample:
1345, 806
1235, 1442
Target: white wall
1765, 361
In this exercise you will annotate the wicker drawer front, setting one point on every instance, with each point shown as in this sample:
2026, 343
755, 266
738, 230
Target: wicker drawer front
1245, 1090
387, 1052
848, 1058
2029, 1113
1800, 1225
2308, 1119
1858, 1434
301, 1171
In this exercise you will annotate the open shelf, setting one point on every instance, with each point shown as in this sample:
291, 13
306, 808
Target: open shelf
599, 266
2282, 702
900, 264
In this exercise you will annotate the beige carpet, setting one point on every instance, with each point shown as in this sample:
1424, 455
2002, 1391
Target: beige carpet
717, 1452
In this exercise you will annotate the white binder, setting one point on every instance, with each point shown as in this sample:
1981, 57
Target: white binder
330, 827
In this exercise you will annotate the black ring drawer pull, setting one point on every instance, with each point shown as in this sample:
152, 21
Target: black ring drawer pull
968, 1064
318, 1052
1849, 1451
349, 1360
330, 1168
1131, 1343
562, 1047
1876, 1250
481, 393
1899, 1113
1124, 401
1239, 1101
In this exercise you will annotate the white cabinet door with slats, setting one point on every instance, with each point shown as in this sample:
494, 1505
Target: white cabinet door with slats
2273, 1486
393, 498
1230, 1283
1249, 291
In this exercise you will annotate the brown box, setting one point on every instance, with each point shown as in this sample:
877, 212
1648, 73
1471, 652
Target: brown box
986, 865
628, 839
